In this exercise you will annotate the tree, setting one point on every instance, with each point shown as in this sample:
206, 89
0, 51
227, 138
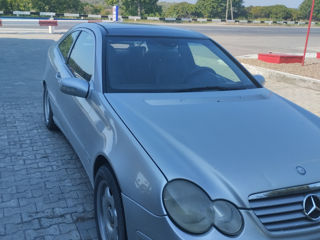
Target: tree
113, 2
96, 9
217, 8
181, 10
57, 5
280, 12
136, 7
258, 12
3, 5
275, 12
305, 9
15, 5
295, 14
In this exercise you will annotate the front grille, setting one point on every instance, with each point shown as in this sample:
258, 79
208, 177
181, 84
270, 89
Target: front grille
282, 210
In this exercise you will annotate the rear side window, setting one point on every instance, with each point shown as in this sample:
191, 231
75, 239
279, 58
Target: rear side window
81, 61
67, 43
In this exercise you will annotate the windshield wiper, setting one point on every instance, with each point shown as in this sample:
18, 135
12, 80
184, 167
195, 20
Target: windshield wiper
208, 88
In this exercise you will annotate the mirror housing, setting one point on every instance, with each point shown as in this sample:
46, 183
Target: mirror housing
74, 87
260, 79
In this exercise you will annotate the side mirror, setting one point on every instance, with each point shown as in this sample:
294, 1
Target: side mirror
260, 79
74, 86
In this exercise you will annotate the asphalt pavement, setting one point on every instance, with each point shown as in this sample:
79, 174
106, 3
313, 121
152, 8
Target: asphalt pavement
238, 39
244, 40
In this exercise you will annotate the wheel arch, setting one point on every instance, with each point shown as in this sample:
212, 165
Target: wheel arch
99, 162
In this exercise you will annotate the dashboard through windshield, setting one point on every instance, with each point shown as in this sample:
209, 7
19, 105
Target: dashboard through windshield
149, 64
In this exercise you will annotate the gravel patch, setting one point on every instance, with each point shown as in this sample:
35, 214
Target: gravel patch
310, 69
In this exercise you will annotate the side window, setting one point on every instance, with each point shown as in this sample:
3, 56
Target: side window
66, 44
203, 57
81, 61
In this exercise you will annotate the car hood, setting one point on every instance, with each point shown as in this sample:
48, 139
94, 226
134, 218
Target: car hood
231, 143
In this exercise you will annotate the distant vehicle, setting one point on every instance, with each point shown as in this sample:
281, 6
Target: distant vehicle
179, 140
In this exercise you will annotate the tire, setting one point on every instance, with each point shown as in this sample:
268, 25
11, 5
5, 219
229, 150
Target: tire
47, 111
109, 212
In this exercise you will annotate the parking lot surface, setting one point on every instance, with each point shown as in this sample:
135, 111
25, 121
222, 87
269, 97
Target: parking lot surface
44, 191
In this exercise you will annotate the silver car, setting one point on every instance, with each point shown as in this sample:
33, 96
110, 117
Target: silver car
179, 141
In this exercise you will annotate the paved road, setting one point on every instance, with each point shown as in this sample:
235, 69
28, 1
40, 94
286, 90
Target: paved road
44, 191
243, 40
239, 40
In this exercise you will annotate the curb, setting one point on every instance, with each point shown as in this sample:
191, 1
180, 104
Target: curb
255, 56
273, 75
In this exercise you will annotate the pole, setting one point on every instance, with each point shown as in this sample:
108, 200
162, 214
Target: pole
227, 8
115, 12
307, 40
231, 10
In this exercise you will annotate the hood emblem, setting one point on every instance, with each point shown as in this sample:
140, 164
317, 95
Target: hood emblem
301, 170
311, 207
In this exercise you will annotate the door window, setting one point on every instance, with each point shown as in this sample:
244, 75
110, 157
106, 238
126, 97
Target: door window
67, 43
81, 61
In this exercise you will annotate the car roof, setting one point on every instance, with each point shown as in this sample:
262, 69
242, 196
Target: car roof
125, 29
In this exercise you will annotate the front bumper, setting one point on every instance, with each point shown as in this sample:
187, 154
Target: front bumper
143, 225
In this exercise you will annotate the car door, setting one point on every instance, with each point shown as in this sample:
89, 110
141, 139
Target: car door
80, 64
56, 69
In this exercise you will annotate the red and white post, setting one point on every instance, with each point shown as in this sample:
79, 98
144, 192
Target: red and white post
307, 40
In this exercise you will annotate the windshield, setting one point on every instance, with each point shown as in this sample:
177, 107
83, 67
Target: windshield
146, 64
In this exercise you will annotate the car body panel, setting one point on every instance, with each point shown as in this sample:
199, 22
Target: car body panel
84, 119
231, 143
153, 227
226, 142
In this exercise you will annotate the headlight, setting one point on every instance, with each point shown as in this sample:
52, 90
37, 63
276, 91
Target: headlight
191, 209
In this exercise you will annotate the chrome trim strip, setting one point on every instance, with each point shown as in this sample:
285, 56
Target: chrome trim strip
285, 191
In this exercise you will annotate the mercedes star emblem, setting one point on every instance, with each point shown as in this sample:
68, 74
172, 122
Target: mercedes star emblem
311, 207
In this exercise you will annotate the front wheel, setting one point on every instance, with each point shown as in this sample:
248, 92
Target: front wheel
108, 207
47, 111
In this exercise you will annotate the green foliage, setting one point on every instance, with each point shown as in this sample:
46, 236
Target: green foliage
113, 2
42, 5
13, 5
305, 9
276, 12
3, 4
217, 8
181, 10
165, 5
137, 7
57, 5
295, 14
280, 12
203, 8
96, 9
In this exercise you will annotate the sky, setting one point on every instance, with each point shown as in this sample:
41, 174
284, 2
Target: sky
288, 3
